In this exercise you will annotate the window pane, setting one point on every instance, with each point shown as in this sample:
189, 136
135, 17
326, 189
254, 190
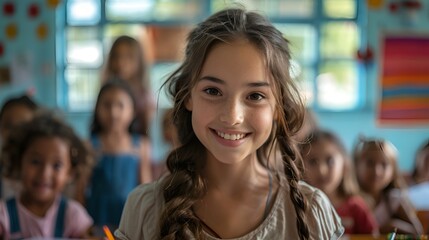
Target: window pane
83, 48
273, 8
340, 8
339, 40
177, 9
303, 77
83, 12
85, 53
153, 10
83, 86
337, 85
129, 9
302, 38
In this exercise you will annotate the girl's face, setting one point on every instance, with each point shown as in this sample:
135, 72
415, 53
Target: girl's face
232, 103
374, 170
46, 169
324, 166
13, 116
125, 62
115, 109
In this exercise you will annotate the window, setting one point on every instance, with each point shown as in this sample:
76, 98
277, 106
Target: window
324, 36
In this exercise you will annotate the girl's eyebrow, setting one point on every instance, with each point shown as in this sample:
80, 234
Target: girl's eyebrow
220, 81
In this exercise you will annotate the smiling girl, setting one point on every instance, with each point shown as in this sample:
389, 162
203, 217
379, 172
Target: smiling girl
234, 104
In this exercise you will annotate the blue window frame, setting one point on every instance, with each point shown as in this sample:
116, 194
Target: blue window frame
324, 36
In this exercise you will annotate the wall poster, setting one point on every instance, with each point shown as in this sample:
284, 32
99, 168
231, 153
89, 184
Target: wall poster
404, 80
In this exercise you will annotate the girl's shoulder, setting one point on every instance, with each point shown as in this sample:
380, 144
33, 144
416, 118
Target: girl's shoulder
396, 195
321, 217
314, 195
142, 211
145, 194
77, 219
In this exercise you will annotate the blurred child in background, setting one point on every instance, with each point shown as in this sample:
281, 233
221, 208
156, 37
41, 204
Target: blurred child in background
328, 167
170, 136
419, 191
44, 154
15, 111
126, 61
123, 157
378, 176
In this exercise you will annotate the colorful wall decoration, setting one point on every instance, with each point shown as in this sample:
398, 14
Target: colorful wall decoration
27, 49
404, 81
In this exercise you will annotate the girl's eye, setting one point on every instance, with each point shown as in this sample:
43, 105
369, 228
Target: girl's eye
256, 96
58, 165
35, 161
212, 91
330, 161
312, 162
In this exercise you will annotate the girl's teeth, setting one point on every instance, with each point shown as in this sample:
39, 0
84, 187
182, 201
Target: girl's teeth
230, 136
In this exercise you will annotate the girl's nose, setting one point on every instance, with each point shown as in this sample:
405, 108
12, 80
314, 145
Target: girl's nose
46, 171
378, 170
323, 170
232, 113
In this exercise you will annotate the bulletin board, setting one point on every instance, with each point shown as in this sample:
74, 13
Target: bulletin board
404, 80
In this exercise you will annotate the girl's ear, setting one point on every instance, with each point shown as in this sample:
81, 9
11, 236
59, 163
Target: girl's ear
188, 104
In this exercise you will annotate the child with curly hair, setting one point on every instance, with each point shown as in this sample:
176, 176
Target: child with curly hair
45, 155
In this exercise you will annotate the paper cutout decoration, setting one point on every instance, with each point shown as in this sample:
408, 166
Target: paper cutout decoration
394, 7
8, 9
53, 3
1, 49
11, 31
375, 4
33, 10
42, 31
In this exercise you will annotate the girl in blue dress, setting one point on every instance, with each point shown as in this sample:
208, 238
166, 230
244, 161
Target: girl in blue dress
123, 157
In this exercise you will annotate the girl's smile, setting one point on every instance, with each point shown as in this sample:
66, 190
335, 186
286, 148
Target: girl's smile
230, 139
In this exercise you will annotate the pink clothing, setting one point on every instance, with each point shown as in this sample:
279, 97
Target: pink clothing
76, 224
356, 216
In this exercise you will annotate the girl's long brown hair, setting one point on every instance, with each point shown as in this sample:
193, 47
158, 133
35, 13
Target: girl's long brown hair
185, 185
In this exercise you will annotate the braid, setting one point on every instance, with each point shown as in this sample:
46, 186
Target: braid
293, 176
182, 188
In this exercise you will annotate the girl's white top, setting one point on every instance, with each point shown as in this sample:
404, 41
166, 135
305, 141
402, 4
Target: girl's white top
140, 218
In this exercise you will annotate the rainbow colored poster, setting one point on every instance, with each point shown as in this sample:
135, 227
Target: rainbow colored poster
404, 80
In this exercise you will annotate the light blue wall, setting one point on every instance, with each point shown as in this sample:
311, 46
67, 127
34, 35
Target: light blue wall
40, 53
350, 125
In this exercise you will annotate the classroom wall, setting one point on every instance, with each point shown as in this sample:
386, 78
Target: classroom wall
37, 55
27, 37
349, 125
